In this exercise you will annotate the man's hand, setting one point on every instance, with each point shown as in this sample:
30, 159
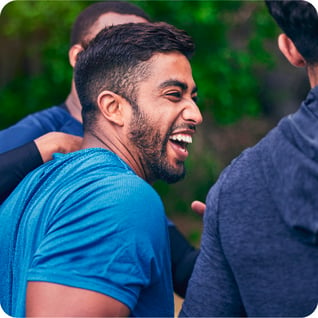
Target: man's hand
57, 142
198, 207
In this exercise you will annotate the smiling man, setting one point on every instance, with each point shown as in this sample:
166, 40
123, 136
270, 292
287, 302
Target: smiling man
86, 234
66, 117
161, 132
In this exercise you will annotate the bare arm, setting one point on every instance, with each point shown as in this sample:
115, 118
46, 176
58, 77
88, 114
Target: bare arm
57, 142
54, 300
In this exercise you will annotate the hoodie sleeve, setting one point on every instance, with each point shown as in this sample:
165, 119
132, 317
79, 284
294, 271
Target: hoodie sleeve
212, 288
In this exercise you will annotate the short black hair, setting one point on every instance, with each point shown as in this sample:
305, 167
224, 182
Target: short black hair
90, 15
298, 19
116, 60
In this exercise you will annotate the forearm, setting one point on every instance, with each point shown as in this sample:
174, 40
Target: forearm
15, 165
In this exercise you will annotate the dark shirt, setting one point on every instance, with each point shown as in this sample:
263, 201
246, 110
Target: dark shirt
15, 165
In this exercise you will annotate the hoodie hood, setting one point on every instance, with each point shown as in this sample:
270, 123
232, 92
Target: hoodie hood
293, 180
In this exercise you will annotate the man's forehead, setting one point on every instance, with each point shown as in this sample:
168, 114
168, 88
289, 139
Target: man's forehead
176, 58
113, 18
172, 69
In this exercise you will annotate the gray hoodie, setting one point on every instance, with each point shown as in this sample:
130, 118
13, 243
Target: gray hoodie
259, 253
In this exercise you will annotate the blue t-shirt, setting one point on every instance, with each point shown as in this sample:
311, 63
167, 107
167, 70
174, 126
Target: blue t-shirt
86, 220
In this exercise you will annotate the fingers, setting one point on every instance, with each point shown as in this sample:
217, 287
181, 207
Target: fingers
57, 142
198, 207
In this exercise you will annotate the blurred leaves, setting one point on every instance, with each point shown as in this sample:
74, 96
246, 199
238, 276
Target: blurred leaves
229, 36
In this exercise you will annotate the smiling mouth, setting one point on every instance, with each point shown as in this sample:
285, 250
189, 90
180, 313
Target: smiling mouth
181, 140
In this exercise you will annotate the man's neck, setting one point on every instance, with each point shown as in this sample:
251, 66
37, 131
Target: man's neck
114, 143
73, 104
312, 72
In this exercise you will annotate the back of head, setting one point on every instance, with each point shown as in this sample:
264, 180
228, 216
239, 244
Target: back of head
116, 60
90, 15
298, 19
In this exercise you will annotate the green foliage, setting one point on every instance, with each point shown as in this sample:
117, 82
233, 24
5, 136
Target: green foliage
229, 36
224, 70
39, 31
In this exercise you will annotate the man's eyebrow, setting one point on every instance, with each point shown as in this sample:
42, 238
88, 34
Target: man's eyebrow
182, 85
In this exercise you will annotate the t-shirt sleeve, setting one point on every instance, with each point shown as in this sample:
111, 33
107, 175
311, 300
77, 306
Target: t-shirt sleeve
107, 237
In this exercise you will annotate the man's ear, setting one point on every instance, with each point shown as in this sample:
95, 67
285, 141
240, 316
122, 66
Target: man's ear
288, 48
111, 107
73, 52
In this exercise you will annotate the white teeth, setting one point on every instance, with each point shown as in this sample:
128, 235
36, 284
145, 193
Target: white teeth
182, 138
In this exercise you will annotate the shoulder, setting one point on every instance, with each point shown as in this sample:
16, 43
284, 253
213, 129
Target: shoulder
137, 190
32, 126
130, 199
241, 181
27, 129
52, 118
241, 168
49, 117
99, 180
51, 112
249, 166
102, 172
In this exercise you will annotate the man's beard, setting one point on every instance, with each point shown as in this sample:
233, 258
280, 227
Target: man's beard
153, 149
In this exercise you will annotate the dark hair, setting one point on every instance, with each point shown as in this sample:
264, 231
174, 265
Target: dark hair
90, 15
299, 21
116, 60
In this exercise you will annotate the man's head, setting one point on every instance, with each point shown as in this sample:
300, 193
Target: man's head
98, 16
93, 19
101, 14
136, 78
299, 21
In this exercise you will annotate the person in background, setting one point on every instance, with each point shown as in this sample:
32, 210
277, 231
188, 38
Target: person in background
67, 117
259, 254
85, 234
15, 164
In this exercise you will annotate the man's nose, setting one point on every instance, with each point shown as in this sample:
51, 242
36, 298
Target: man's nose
192, 113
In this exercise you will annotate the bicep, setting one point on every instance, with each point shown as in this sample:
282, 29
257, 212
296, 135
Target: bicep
49, 299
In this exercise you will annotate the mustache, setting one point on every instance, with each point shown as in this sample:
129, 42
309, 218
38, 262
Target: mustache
183, 127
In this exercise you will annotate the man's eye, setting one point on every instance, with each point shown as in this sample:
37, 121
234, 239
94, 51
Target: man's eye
174, 94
